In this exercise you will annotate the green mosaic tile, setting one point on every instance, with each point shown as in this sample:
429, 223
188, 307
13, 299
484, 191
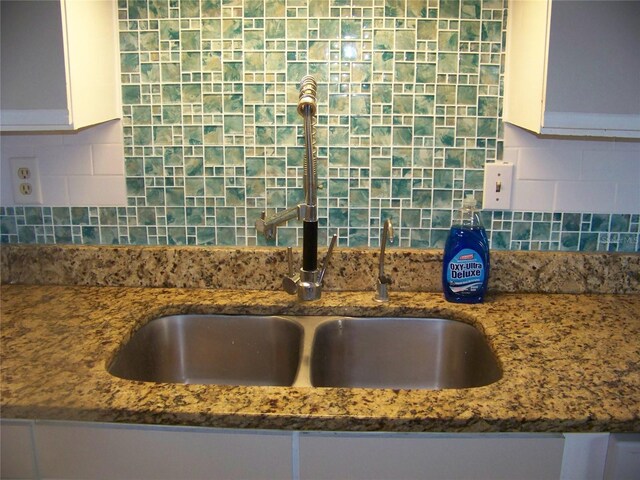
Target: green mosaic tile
448, 41
400, 188
588, 242
405, 40
427, 30
426, 73
474, 179
445, 137
620, 223
442, 198
235, 196
402, 136
275, 28
380, 188
253, 8
449, 8
469, 62
130, 94
214, 187
128, 41
359, 197
79, 215
408, 115
410, 218
569, 241
441, 219
491, 31
394, 8
489, 74
421, 198
383, 61
405, 72
445, 94
443, 178
487, 127
358, 217
61, 215
423, 126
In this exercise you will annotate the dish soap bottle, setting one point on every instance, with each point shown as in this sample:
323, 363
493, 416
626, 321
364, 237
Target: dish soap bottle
465, 271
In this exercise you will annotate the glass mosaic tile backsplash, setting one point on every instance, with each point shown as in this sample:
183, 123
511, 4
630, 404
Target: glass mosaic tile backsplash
409, 111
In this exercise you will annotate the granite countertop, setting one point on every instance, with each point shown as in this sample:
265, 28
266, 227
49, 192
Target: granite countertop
570, 363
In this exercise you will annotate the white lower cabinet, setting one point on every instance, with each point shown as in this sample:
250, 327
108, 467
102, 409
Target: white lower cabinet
17, 458
73, 450
430, 456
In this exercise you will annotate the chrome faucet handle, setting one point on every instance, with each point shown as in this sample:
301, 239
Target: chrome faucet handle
261, 226
383, 282
290, 281
327, 258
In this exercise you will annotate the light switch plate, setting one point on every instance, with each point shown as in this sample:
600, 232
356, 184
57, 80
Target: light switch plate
498, 180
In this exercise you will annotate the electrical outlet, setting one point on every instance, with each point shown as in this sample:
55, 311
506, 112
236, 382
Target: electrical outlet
25, 178
498, 178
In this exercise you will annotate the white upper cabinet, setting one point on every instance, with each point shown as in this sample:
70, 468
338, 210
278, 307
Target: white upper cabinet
59, 64
573, 67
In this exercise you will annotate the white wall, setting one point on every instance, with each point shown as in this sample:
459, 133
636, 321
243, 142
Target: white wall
84, 168
567, 175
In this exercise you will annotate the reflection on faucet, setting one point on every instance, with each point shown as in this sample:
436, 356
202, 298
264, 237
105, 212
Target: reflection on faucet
307, 283
382, 293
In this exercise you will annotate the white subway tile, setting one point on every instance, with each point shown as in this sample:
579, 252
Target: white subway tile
55, 191
511, 155
613, 166
108, 159
519, 137
6, 187
549, 164
65, 160
78, 158
628, 198
10, 148
97, 190
533, 195
585, 197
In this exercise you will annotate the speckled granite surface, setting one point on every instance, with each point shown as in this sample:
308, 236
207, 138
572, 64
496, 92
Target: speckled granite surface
570, 363
350, 269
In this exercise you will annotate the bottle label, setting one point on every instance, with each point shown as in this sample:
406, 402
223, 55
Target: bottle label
465, 272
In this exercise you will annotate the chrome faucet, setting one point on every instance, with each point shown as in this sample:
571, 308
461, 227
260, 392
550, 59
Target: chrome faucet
308, 282
382, 291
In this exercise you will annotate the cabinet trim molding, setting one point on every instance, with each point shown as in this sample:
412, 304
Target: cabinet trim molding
37, 119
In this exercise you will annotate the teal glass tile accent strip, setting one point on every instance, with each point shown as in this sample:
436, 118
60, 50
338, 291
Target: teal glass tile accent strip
409, 112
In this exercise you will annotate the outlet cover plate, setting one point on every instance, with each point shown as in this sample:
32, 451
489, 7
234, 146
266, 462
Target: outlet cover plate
25, 179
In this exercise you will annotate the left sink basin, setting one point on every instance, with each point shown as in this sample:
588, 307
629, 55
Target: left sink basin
213, 349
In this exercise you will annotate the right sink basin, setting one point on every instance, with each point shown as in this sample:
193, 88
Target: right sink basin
428, 353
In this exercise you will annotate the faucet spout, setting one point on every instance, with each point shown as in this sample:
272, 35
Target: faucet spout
308, 283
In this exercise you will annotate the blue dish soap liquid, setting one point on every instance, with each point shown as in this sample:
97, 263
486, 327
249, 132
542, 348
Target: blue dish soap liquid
465, 271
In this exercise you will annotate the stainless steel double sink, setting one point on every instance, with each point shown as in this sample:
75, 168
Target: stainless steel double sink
318, 351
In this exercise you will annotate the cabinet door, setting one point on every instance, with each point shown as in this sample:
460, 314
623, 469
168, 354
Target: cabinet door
86, 450
59, 64
593, 71
33, 87
17, 460
572, 68
430, 456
